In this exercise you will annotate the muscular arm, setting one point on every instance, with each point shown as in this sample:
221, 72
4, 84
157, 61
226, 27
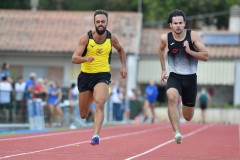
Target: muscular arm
122, 55
202, 53
77, 54
163, 44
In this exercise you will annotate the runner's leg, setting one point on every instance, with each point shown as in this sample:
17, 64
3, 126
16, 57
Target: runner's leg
85, 99
173, 112
187, 112
100, 97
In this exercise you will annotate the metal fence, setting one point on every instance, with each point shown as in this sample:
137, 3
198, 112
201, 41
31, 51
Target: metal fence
34, 113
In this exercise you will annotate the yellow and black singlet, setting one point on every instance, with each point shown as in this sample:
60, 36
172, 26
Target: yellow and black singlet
101, 53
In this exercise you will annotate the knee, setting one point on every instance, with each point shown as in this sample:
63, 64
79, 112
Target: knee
100, 102
173, 99
188, 116
83, 115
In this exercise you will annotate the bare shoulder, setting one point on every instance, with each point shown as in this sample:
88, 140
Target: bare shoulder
197, 41
163, 37
84, 40
163, 41
115, 43
195, 36
114, 38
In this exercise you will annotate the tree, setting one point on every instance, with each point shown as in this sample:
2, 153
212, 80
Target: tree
155, 12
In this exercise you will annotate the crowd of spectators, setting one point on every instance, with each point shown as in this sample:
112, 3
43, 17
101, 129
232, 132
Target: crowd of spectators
16, 96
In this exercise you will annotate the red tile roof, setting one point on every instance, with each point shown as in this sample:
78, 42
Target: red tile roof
151, 39
59, 31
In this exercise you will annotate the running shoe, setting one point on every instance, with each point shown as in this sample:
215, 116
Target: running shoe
178, 137
95, 140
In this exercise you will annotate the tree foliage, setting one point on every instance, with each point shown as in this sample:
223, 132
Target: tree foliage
155, 12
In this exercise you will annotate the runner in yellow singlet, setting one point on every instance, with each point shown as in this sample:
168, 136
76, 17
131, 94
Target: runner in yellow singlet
94, 54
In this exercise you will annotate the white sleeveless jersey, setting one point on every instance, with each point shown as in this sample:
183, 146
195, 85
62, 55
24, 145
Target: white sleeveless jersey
179, 61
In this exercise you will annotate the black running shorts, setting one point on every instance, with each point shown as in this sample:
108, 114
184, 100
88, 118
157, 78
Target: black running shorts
87, 81
186, 86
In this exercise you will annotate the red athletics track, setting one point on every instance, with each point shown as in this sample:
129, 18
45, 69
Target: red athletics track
126, 142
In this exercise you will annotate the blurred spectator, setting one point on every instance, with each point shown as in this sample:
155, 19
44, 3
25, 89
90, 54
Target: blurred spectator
5, 97
139, 96
73, 95
117, 100
40, 90
29, 90
40, 95
132, 103
151, 94
90, 117
31, 82
130, 97
73, 103
5, 72
20, 102
203, 99
54, 101
45, 98
125, 108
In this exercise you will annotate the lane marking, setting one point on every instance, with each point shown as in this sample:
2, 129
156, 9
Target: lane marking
83, 142
170, 141
43, 135
54, 134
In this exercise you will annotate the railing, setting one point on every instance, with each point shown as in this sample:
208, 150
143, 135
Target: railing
12, 109
34, 114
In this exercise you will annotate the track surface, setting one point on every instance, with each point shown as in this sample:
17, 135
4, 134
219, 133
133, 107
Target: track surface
126, 142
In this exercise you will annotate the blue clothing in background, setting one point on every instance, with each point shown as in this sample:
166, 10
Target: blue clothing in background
4, 73
52, 98
29, 83
151, 93
93, 106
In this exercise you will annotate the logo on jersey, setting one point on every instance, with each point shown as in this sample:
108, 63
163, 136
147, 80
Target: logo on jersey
107, 82
174, 51
99, 51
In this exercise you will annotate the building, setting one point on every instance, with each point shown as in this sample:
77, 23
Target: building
43, 42
218, 74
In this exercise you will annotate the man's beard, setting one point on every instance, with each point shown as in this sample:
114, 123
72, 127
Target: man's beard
179, 31
100, 32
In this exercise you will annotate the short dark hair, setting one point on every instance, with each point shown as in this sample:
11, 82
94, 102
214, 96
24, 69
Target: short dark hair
4, 66
175, 13
73, 85
100, 11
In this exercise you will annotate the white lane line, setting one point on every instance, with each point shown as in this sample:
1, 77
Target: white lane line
170, 141
53, 134
83, 142
43, 135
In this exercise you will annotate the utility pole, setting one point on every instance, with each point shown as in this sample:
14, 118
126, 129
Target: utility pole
139, 6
